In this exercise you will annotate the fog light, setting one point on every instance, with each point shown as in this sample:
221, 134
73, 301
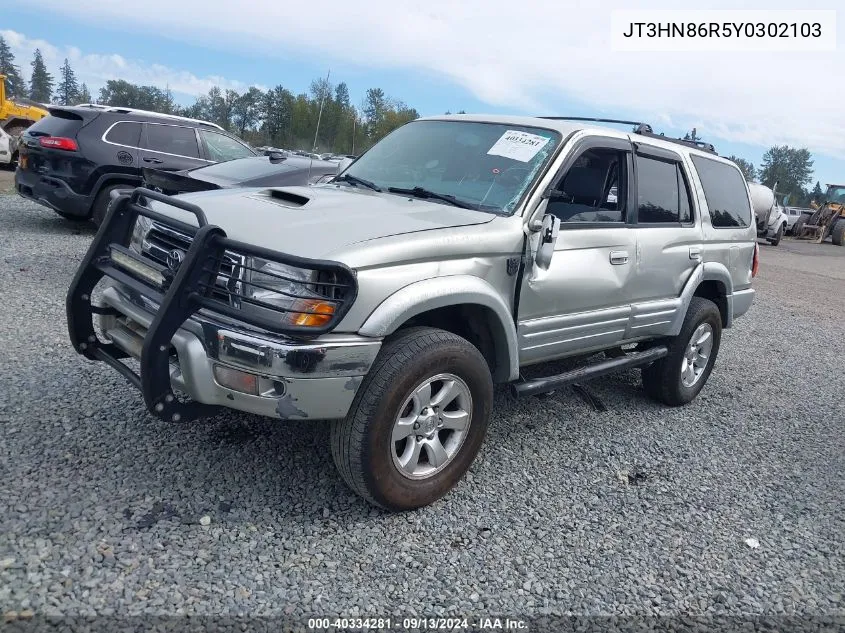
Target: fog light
236, 380
142, 270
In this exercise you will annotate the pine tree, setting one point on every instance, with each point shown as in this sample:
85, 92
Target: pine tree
14, 83
41, 82
67, 92
84, 95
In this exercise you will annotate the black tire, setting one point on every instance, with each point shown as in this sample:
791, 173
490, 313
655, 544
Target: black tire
362, 445
778, 236
838, 233
799, 224
662, 380
102, 201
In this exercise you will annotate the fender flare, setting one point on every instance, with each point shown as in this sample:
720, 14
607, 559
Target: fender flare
441, 292
707, 271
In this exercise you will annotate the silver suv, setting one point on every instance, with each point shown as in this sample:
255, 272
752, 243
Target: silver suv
454, 253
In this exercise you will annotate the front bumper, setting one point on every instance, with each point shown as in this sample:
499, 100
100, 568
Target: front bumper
296, 380
53, 193
190, 343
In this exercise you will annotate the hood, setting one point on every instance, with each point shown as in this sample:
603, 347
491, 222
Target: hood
243, 171
321, 220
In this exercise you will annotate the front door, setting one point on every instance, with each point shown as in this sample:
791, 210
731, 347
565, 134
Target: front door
581, 302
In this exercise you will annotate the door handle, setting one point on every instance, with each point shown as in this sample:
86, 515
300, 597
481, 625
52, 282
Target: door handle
694, 252
617, 258
152, 160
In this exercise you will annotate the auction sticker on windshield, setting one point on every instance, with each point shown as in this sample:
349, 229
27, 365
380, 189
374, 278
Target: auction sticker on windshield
517, 145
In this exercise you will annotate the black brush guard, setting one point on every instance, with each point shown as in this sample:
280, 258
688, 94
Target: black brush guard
185, 292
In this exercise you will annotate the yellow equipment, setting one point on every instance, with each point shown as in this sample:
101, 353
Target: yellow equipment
828, 219
16, 117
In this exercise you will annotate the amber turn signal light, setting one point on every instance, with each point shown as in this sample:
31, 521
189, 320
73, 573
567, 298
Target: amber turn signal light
311, 312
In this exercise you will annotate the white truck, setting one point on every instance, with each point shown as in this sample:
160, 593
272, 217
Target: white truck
770, 216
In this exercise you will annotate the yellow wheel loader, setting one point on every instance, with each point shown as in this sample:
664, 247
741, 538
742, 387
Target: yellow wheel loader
827, 219
15, 117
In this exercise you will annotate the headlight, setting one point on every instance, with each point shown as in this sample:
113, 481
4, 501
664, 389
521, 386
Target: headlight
289, 288
139, 232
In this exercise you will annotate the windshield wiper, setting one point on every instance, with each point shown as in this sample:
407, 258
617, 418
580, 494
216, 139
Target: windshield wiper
354, 180
420, 192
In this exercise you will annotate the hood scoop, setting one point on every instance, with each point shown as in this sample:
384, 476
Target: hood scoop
287, 198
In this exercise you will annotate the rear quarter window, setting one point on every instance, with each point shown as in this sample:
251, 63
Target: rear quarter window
125, 133
725, 191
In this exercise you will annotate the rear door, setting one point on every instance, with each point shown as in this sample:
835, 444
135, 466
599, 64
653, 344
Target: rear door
170, 147
669, 239
123, 139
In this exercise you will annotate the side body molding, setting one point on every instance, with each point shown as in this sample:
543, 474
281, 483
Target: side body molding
450, 290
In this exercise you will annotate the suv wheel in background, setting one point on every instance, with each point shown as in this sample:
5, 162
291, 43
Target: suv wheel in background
678, 378
102, 201
417, 421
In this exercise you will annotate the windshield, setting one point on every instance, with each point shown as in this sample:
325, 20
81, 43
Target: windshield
836, 194
488, 166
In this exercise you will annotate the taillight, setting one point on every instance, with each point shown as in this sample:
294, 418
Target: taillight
755, 263
59, 142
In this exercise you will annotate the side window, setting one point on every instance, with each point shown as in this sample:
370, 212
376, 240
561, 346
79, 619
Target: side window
594, 189
172, 139
222, 148
125, 133
725, 191
658, 200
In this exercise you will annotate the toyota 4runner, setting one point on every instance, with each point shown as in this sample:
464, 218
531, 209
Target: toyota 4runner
454, 253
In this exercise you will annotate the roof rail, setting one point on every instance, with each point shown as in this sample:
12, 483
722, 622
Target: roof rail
704, 147
643, 129
124, 110
585, 118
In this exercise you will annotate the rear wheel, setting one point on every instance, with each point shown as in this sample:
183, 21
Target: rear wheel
102, 201
838, 233
678, 378
417, 421
799, 225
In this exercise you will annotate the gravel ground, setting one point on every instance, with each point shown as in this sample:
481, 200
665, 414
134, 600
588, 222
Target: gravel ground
639, 509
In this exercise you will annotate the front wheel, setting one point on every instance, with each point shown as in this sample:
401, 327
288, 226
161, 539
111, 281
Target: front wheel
677, 378
837, 235
417, 421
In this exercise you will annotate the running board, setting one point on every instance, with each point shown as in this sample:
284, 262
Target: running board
543, 385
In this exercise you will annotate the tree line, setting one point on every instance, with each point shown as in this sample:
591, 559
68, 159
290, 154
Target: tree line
281, 118
276, 117
790, 168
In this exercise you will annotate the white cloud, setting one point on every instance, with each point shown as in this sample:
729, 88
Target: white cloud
525, 55
95, 69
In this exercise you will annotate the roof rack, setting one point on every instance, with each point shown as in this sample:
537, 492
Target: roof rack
123, 110
643, 129
586, 118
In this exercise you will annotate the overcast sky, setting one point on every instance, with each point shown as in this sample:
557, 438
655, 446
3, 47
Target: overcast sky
494, 56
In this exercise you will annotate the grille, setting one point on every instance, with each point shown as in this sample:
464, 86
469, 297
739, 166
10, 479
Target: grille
161, 241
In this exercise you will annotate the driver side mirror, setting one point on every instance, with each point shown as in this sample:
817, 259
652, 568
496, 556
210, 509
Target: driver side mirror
548, 238
346, 162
